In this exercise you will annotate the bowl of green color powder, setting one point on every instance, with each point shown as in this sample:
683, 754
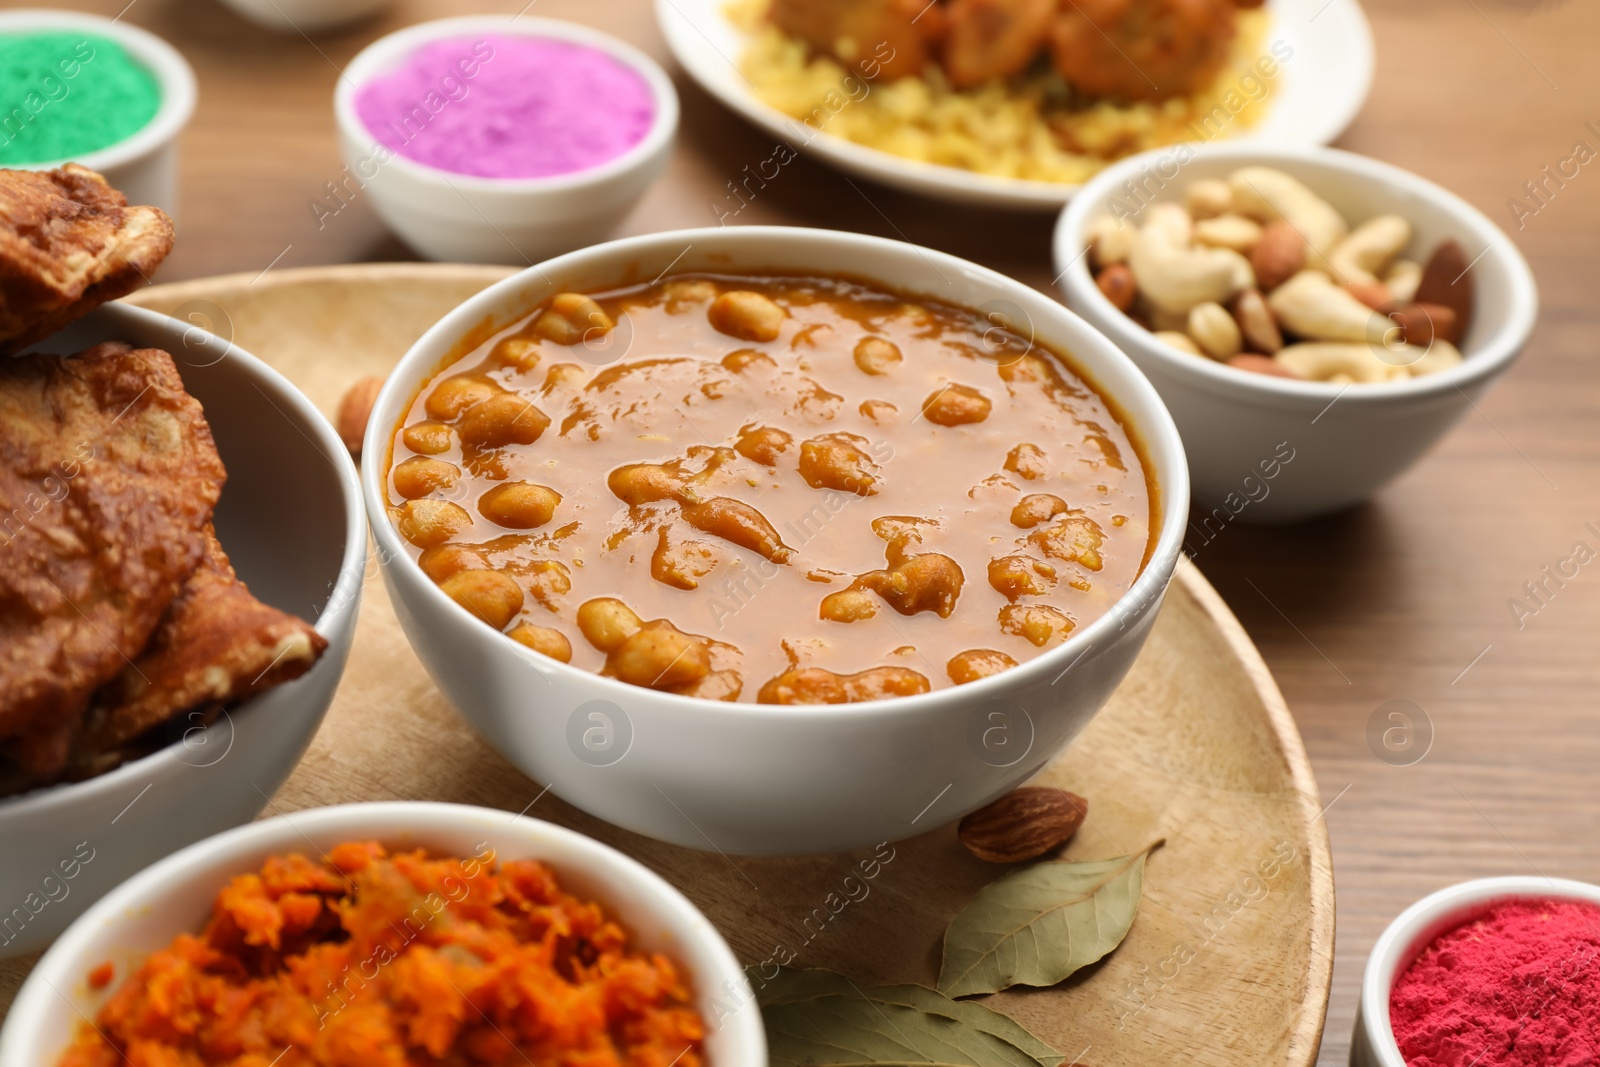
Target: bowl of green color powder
83, 89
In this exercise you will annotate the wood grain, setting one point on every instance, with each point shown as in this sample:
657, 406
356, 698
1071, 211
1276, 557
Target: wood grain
1393, 600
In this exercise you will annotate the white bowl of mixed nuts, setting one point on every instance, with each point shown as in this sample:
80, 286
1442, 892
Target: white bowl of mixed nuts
1315, 320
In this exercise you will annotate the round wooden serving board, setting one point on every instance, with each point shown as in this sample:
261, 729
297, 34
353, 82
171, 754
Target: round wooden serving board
1230, 958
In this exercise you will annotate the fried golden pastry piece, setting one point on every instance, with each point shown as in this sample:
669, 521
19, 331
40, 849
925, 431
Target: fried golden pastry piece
216, 645
987, 39
897, 35
108, 476
68, 243
1142, 49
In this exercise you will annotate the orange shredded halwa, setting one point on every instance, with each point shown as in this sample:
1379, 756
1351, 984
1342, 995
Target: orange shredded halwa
372, 960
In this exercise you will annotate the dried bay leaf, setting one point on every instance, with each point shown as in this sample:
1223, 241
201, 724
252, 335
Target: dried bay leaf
821, 1019
1037, 926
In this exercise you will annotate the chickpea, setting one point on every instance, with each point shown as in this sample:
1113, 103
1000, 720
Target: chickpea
956, 405
1035, 508
681, 292
927, 582
977, 663
848, 605
449, 398
428, 437
606, 622
1028, 461
740, 524
548, 580
1014, 577
880, 683
878, 410
762, 444
428, 522
748, 316
718, 685
744, 359
503, 420
519, 505
419, 476
837, 461
564, 374
646, 483
809, 685
661, 657
519, 353
573, 318
900, 533
1038, 624
543, 640
443, 561
680, 564
490, 595
877, 355
1074, 538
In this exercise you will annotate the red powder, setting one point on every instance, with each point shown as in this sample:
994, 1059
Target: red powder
1519, 986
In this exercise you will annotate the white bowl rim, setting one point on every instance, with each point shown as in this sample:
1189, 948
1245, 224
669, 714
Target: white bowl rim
1437, 912
39, 803
1158, 434
172, 72
377, 57
63, 964
1488, 359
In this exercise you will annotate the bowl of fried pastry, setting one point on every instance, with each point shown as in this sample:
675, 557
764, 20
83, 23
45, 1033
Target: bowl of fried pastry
181, 549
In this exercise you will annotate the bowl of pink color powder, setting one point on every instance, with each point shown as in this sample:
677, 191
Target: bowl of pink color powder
1498, 972
492, 139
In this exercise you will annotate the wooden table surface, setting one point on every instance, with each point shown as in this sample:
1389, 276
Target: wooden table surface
1407, 598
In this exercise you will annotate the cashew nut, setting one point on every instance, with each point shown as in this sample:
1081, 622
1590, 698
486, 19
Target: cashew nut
1339, 363
1176, 277
1403, 279
1214, 330
1310, 305
1208, 198
1364, 255
1256, 324
1267, 195
1181, 341
1110, 241
1228, 231
1438, 356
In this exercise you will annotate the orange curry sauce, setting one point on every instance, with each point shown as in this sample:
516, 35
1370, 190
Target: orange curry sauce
786, 490
372, 960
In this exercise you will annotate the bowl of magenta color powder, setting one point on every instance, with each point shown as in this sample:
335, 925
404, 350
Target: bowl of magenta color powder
96, 91
1499, 972
490, 139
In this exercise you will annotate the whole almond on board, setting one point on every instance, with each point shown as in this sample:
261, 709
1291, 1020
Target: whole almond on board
1024, 823
354, 411
1117, 283
1420, 324
1261, 365
1278, 256
1447, 279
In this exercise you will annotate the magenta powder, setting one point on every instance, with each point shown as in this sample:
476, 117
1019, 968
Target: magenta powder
508, 107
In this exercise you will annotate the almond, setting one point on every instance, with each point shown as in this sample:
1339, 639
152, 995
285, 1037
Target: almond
354, 411
1373, 294
1261, 365
1117, 283
1278, 256
1256, 324
1447, 280
1420, 324
1024, 823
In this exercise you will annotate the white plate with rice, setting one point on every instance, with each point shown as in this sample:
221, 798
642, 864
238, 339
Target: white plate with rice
1319, 54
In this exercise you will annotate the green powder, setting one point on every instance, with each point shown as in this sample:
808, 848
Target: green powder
64, 95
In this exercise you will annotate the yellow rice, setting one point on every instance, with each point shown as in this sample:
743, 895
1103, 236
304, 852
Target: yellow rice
1027, 128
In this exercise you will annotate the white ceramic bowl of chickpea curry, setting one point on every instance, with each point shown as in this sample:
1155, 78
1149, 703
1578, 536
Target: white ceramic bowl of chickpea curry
795, 541
1315, 320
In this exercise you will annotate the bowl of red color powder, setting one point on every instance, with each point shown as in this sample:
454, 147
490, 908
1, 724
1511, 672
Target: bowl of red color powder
1498, 972
491, 139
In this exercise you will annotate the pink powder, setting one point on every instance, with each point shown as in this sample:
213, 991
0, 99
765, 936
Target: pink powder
508, 107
